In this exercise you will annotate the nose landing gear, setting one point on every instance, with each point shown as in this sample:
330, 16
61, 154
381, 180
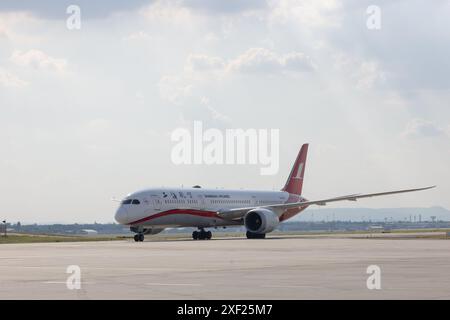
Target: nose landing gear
201, 235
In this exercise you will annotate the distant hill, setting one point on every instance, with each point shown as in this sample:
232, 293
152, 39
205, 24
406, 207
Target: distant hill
366, 214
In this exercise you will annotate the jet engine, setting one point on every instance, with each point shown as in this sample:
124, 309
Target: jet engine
153, 230
261, 221
146, 230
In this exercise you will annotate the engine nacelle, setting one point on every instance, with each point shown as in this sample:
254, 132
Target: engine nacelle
153, 231
261, 220
146, 230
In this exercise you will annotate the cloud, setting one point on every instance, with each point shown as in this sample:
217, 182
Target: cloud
254, 60
51, 9
413, 46
39, 60
419, 128
167, 12
225, 7
182, 11
318, 13
9, 80
11, 21
202, 69
221, 50
200, 62
261, 60
215, 114
4, 33
325, 149
139, 35
174, 88
368, 74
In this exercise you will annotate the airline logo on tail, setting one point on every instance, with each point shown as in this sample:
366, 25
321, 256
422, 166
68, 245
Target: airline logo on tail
299, 171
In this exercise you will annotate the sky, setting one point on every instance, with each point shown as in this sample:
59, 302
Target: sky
87, 114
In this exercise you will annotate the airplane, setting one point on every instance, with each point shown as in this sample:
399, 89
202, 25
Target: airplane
151, 211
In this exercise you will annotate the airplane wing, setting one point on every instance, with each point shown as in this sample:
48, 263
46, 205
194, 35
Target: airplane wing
238, 213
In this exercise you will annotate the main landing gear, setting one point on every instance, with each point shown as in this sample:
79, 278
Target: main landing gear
139, 237
252, 235
201, 235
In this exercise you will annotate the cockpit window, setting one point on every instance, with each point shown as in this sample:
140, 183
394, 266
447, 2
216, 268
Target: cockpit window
131, 201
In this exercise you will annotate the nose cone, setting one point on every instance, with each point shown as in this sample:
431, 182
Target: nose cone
121, 215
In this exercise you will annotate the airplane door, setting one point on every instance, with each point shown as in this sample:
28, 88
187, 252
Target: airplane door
156, 202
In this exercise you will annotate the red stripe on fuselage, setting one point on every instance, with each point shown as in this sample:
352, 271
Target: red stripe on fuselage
200, 213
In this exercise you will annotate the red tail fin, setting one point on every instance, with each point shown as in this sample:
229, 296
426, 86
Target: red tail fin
294, 184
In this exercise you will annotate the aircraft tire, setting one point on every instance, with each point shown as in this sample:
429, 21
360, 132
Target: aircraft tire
136, 237
251, 235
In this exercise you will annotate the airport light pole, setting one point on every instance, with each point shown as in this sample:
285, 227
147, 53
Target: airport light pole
4, 221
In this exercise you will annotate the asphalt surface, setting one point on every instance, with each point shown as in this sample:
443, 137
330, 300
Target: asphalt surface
274, 268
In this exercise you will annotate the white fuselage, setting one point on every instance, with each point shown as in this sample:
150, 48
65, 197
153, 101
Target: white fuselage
193, 207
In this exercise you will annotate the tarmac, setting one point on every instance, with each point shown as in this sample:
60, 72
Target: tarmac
274, 268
